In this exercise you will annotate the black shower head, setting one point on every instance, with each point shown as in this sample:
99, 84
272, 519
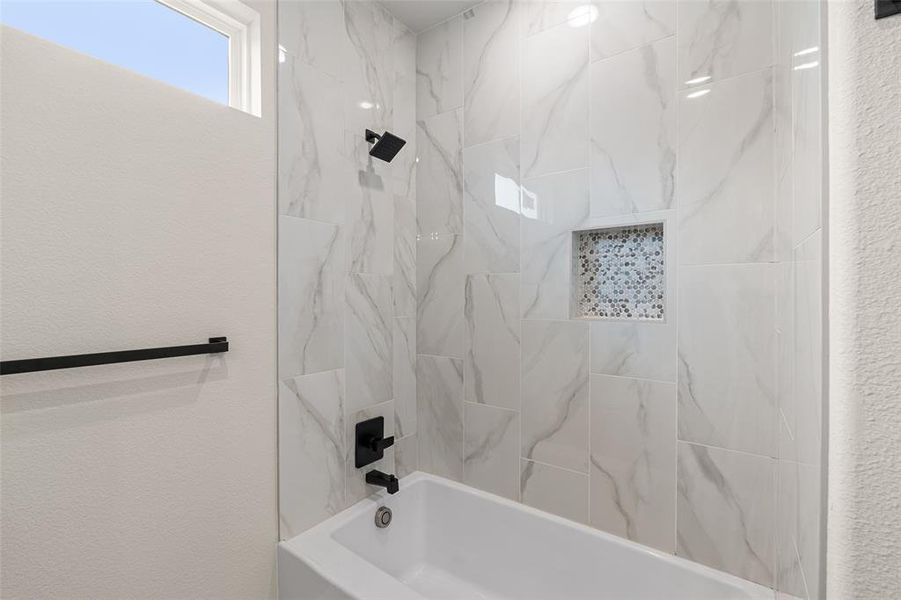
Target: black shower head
386, 145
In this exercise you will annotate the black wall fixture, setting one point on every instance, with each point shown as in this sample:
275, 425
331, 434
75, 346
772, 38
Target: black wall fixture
386, 146
887, 8
28, 365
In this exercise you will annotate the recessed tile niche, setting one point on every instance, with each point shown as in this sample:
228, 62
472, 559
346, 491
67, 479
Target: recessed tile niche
619, 273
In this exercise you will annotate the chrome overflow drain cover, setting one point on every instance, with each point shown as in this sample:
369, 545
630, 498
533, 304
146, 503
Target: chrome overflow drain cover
383, 517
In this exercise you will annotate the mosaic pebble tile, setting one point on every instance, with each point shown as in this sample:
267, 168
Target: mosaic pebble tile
621, 272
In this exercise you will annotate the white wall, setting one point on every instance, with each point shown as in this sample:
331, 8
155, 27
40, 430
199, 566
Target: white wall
864, 527
135, 215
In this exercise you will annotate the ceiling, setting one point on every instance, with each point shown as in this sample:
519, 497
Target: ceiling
422, 14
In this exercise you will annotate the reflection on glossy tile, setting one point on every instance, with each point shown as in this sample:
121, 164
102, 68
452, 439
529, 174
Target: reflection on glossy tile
555, 393
369, 344
357, 488
558, 491
540, 15
491, 207
555, 101
633, 130
313, 31
646, 350
633, 441
726, 357
439, 180
310, 297
552, 207
311, 450
370, 216
726, 182
315, 176
404, 376
622, 26
491, 71
807, 145
439, 287
725, 511
439, 84
492, 340
723, 38
491, 450
369, 78
439, 387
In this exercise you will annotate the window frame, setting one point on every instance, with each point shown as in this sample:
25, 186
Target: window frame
241, 25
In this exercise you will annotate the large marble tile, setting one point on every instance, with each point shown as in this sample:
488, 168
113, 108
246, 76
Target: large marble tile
725, 513
439, 387
633, 442
555, 101
807, 137
370, 215
807, 352
404, 376
541, 15
558, 491
633, 130
491, 205
726, 180
622, 26
789, 572
639, 349
439, 69
555, 393
439, 179
492, 341
491, 449
439, 289
313, 31
552, 207
369, 341
405, 252
315, 176
356, 486
406, 455
310, 297
724, 38
369, 76
727, 357
310, 450
491, 71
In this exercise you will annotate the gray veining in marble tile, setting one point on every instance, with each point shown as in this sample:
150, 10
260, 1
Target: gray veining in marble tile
491, 207
439, 74
314, 174
311, 450
633, 130
725, 511
492, 340
558, 491
633, 442
623, 26
724, 38
370, 215
727, 357
552, 207
491, 71
405, 254
439, 288
789, 576
555, 393
313, 31
541, 15
369, 344
555, 101
404, 376
439, 387
726, 181
310, 297
357, 488
645, 350
403, 174
439, 180
369, 78
491, 449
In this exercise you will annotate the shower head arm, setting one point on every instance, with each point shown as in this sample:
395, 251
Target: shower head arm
372, 137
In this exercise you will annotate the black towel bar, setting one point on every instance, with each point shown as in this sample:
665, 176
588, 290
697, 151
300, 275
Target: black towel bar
28, 365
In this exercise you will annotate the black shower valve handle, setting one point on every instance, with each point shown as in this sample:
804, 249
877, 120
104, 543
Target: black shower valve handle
379, 444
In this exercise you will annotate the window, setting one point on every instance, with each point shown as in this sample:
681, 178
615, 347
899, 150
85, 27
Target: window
206, 47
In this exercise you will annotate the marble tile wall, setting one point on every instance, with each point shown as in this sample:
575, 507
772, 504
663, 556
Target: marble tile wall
698, 434
347, 251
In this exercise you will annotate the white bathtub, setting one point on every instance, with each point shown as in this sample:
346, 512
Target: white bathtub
449, 541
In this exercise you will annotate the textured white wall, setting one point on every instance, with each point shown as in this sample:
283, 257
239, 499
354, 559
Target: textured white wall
864, 530
135, 215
